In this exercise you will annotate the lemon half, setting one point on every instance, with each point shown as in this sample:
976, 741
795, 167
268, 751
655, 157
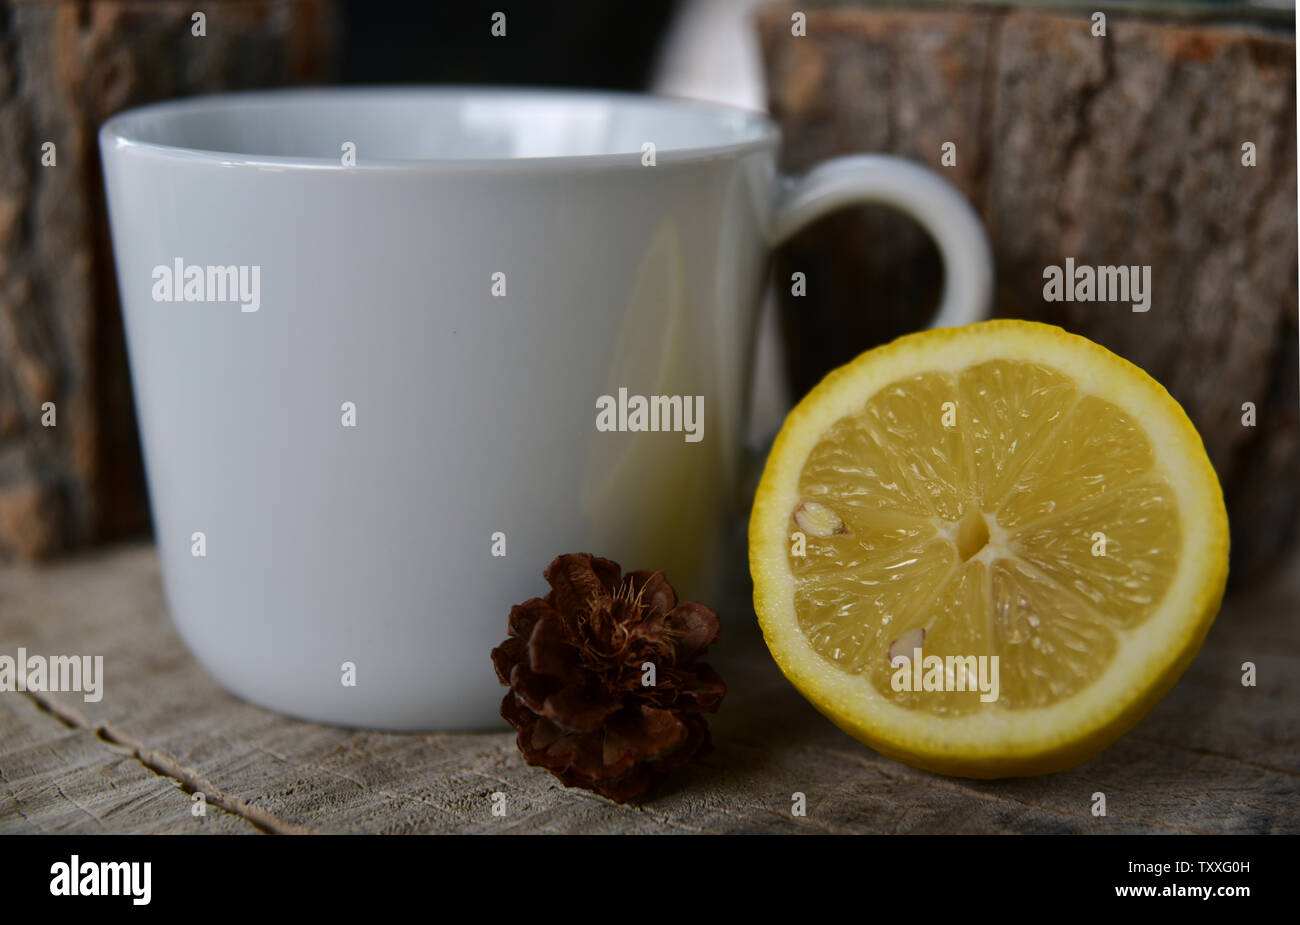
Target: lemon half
1003, 490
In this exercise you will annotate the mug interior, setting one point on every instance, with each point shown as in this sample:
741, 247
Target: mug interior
423, 125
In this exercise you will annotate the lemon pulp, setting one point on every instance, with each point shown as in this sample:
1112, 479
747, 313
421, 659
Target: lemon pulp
995, 511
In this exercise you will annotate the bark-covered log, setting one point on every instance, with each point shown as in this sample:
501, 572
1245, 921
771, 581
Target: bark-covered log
64, 67
1123, 149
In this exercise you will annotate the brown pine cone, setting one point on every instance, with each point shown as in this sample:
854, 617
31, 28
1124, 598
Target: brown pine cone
574, 665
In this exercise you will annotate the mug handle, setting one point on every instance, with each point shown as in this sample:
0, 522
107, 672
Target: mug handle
879, 179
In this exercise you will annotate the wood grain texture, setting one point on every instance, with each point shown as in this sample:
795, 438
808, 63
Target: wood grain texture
56, 778
1122, 150
1212, 757
65, 66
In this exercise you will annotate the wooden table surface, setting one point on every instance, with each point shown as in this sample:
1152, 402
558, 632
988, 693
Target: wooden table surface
1214, 756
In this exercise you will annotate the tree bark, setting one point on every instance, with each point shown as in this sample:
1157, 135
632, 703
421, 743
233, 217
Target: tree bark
1122, 149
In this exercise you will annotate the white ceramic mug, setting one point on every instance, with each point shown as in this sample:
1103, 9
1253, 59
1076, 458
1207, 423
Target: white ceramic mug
372, 333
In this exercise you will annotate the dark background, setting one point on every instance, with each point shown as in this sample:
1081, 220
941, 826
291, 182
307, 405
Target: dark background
582, 43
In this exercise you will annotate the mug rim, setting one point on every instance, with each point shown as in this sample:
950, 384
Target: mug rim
121, 131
